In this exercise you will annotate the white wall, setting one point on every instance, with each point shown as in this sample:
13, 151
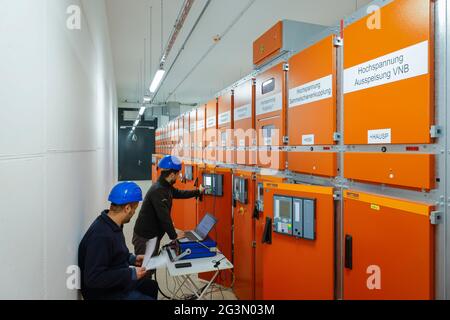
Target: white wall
57, 160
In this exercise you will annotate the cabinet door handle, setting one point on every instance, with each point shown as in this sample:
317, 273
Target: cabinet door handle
348, 252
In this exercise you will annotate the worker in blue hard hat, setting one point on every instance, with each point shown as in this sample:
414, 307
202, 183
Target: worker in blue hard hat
154, 220
108, 270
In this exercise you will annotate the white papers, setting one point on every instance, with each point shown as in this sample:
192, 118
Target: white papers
155, 262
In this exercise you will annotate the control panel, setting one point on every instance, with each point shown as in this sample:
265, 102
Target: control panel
240, 190
295, 217
282, 215
213, 184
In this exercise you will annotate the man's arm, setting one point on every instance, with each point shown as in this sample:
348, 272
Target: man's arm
160, 201
185, 194
97, 272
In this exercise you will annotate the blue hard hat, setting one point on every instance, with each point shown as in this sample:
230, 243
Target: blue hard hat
170, 163
124, 193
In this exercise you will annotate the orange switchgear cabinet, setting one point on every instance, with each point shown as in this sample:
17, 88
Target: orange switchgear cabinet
388, 77
200, 134
270, 117
388, 248
225, 126
186, 136
243, 237
172, 138
211, 131
244, 133
296, 268
259, 230
193, 133
312, 108
401, 170
285, 36
220, 207
180, 136
184, 211
157, 139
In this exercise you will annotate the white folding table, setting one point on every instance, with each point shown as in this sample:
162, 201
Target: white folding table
198, 266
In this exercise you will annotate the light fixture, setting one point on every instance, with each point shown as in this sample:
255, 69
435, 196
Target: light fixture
136, 123
147, 99
142, 111
157, 80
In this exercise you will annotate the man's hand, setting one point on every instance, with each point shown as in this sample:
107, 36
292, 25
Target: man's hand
181, 234
140, 272
139, 260
201, 189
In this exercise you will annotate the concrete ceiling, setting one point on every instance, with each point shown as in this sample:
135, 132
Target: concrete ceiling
204, 66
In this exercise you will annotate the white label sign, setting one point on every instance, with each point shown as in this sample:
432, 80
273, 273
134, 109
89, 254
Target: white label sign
382, 136
192, 127
224, 118
308, 140
400, 65
211, 122
242, 113
200, 125
242, 143
270, 104
311, 92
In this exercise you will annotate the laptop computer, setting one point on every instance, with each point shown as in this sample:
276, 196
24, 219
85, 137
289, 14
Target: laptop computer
201, 231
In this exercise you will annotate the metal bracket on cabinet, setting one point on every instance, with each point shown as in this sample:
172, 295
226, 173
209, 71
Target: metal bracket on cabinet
436, 218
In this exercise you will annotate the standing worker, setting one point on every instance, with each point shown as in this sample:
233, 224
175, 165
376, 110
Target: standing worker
108, 270
154, 219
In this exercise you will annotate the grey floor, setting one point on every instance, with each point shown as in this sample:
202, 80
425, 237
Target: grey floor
166, 283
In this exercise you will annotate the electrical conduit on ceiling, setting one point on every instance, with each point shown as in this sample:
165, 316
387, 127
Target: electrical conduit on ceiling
211, 47
184, 44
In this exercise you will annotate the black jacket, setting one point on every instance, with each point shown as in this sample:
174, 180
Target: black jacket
104, 261
154, 219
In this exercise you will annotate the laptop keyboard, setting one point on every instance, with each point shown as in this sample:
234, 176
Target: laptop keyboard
191, 236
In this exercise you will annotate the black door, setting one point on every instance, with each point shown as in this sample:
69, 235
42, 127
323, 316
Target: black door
135, 148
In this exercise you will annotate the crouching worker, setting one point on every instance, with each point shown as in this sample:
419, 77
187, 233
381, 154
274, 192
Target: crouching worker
108, 270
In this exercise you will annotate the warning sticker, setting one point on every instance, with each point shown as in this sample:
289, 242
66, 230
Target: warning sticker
406, 63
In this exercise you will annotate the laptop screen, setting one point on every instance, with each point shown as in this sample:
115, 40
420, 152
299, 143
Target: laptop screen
205, 226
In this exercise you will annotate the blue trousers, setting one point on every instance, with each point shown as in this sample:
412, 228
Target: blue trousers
145, 289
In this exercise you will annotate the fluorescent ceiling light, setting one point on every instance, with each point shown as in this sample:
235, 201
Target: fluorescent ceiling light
147, 99
136, 123
142, 111
157, 80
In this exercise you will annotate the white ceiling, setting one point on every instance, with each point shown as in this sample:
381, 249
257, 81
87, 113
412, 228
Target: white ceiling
228, 61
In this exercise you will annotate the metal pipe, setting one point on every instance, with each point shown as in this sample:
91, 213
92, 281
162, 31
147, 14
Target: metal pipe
184, 45
176, 30
212, 46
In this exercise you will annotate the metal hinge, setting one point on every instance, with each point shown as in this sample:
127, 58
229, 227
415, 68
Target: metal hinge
337, 136
338, 41
337, 196
286, 67
253, 244
436, 217
286, 140
435, 131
